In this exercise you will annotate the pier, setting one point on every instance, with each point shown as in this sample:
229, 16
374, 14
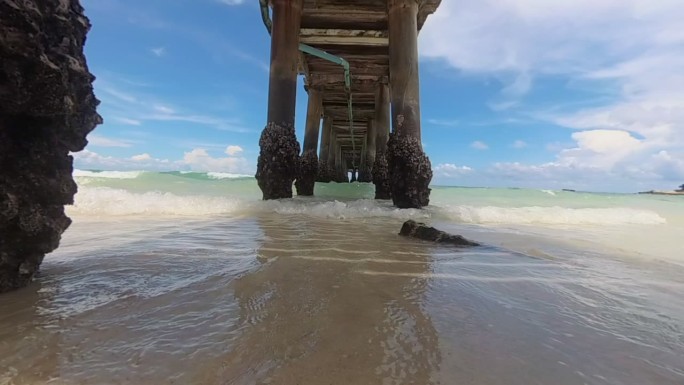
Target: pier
359, 60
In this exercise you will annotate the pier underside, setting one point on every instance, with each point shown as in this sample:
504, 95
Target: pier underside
378, 41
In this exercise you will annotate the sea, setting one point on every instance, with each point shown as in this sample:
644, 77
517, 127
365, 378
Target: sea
190, 278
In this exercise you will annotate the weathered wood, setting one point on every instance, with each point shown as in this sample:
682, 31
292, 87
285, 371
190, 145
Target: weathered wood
326, 133
282, 89
313, 120
403, 49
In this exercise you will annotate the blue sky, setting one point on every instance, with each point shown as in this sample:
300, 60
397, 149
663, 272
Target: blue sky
585, 94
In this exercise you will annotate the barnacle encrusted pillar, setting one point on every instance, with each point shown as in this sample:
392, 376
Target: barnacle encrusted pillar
308, 165
278, 162
47, 107
323, 163
409, 168
382, 128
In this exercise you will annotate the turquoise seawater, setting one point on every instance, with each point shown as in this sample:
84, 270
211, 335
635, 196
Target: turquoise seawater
191, 278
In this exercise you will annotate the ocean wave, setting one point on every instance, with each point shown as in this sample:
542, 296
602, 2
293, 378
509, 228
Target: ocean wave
107, 174
226, 175
105, 201
551, 215
361, 208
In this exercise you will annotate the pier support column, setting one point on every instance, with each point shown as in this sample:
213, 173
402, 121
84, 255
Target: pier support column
382, 128
366, 173
409, 168
332, 157
279, 155
323, 157
308, 166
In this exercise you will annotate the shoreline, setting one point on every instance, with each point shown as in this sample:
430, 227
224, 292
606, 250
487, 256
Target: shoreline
654, 192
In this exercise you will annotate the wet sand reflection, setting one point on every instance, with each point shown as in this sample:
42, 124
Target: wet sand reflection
311, 319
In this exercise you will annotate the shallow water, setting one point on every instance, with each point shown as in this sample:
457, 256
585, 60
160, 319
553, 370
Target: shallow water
293, 299
190, 279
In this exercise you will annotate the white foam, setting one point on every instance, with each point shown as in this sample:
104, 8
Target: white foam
343, 210
553, 215
107, 174
115, 202
225, 175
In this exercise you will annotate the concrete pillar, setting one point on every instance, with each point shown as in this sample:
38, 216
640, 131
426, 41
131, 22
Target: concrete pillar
382, 130
366, 173
323, 157
279, 155
409, 168
308, 166
338, 162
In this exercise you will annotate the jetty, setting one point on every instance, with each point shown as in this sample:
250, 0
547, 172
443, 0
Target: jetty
359, 59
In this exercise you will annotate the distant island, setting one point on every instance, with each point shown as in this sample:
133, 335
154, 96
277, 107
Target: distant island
679, 191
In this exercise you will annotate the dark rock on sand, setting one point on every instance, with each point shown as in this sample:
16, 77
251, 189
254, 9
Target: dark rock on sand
47, 107
422, 231
278, 163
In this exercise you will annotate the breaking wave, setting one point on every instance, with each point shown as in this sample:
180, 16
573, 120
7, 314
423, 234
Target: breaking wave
106, 201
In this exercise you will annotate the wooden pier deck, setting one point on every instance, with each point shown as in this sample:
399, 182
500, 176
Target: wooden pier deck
357, 31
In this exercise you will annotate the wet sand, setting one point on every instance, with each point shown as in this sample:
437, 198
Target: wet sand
287, 299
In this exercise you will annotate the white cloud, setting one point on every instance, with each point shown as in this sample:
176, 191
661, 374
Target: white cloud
231, 2
141, 157
632, 50
450, 170
102, 141
478, 145
519, 144
159, 51
197, 159
127, 121
233, 150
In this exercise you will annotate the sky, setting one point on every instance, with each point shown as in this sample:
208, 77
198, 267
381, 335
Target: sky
580, 94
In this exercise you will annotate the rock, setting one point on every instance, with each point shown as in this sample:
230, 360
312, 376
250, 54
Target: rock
47, 107
422, 231
410, 172
308, 171
381, 177
278, 163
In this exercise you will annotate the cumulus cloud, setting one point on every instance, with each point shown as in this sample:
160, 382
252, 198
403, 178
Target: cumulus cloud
197, 159
141, 157
450, 170
233, 150
478, 145
632, 50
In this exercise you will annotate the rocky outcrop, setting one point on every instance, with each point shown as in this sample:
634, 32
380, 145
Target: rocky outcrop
278, 162
47, 107
381, 177
410, 172
422, 231
308, 171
